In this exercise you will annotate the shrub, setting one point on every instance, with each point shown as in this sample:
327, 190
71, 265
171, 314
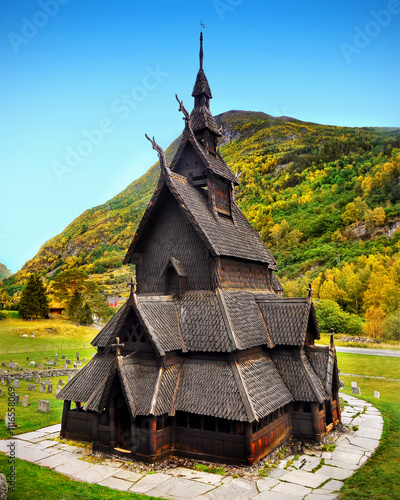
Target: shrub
331, 315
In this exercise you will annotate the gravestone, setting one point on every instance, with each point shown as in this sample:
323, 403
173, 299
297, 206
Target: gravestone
16, 383
9, 365
28, 378
64, 356
78, 363
8, 380
13, 366
50, 388
68, 361
41, 366
49, 362
354, 384
356, 390
69, 376
3, 381
38, 379
74, 364
31, 387
83, 360
77, 355
93, 354
56, 359
65, 366
47, 380
61, 382
55, 363
58, 389
9, 420
42, 387
377, 394
25, 400
44, 406
16, 399
3, 364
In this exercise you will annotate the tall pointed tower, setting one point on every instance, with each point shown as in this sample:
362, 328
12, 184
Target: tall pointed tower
204, 360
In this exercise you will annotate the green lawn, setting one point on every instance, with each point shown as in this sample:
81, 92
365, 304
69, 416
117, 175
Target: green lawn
376, 366
379, 478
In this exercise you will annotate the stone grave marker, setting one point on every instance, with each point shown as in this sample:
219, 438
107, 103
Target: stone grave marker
25, 400
68, 361
354, 384
13, 366
356, 390
69, 376
74, 364
93, 354
56, 358
42, 387
9, 365
49, 362
78, 363
16, 399
83, 360
64, 356
28, 378
8, 380
77, 354
65, 366
31, 387
4, 364
3, 381
47, 380
377, 394
16, 383
38, 379
58, 389
55, 364
50, 388
9, 420
41, 366
44, 406
61, 382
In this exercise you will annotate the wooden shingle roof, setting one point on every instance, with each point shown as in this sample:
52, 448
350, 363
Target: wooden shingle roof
287, 320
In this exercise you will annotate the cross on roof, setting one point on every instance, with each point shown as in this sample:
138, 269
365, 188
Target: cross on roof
131, 285
309, 289
117, 346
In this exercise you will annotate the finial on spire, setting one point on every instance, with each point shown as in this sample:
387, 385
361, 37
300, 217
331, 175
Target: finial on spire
309, 289
331, 344
201, 50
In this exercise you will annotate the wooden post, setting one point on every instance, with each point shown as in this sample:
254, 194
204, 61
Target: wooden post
66, 408
112, 424
95, 430
315, 421
152, 438
247, 443
134, 439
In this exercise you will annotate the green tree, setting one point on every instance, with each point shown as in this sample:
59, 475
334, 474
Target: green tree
33, 303
331, 315
75, 307
68, 282
86, 315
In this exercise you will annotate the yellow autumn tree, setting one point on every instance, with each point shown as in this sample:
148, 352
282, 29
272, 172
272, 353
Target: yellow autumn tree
374, 318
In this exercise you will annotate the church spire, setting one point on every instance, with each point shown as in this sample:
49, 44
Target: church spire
201, 50
203, 124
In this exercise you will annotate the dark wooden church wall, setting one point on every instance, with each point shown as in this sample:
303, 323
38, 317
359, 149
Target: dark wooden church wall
233, 273
171, 230
79, 426
189, 164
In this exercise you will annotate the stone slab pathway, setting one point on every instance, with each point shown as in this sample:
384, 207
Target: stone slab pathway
291, 480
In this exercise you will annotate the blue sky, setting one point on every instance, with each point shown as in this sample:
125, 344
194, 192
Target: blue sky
82, 81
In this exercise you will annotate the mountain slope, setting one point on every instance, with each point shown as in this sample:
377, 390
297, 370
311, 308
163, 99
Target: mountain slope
297, 179
4, 272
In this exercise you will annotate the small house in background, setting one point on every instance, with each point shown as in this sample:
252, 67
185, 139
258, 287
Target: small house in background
114, 301
206, 359
57, 309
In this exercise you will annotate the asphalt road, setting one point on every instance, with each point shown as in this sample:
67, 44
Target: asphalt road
373, 352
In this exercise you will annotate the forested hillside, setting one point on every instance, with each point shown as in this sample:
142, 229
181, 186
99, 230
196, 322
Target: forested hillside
325, 200
4, 272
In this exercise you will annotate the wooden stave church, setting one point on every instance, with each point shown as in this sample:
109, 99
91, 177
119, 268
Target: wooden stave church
206, 359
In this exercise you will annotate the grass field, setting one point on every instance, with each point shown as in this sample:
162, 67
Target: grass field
389, 344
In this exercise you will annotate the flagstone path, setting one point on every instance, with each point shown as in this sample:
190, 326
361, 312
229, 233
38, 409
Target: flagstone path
297, 481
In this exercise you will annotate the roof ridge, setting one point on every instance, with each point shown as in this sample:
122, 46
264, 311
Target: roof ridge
307, 368
226, 317
247, 403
